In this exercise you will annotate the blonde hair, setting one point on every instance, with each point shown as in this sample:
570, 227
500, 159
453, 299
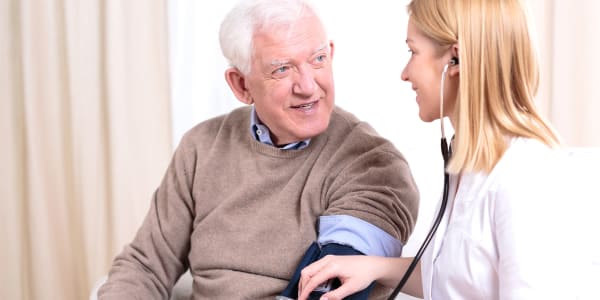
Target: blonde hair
499, 76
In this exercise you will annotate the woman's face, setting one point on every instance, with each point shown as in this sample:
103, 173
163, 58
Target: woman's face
424, 71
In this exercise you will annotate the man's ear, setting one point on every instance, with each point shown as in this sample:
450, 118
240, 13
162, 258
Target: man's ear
237, 83
455, 69
331, 47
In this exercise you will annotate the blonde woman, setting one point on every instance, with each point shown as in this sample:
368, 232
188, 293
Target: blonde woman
503, 234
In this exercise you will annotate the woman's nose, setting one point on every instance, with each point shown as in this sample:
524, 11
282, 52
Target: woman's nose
404, 74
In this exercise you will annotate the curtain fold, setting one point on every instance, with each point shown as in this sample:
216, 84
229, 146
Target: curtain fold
86, 126
574, 78
568, 44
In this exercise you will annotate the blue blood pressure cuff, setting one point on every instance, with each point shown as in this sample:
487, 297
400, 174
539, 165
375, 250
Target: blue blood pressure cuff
314, 253
344, 235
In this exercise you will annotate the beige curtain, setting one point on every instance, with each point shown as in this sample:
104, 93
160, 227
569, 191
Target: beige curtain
85, 131
570, 83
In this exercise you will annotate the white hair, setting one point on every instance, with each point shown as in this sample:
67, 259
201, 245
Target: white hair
250, 16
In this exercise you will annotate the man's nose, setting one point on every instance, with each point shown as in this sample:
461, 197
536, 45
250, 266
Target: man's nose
305, 82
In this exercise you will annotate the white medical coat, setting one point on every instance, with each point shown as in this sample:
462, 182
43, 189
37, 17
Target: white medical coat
505, 235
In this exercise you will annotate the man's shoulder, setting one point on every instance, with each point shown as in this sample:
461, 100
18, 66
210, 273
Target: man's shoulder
349, 133
345, 121
346, 125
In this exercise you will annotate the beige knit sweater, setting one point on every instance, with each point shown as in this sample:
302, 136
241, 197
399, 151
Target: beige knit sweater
240, 214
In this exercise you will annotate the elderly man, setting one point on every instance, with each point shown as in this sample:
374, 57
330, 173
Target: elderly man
247, 193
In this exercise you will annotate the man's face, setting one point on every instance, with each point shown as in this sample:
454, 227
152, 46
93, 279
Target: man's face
291, 80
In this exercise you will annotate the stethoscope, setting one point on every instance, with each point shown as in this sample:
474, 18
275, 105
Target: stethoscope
446, 154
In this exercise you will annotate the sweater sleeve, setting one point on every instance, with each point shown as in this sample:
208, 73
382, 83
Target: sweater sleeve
150, 265
376, 185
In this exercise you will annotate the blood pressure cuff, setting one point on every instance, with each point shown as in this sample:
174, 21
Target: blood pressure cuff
314, 253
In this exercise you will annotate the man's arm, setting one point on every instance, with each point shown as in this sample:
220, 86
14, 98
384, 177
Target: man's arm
373, 201
372, 204
149, 266
376, 187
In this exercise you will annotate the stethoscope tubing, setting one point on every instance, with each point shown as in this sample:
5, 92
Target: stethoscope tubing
446, 154
434, 227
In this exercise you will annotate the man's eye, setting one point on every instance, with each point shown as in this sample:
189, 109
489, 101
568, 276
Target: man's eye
281, 69
320, 58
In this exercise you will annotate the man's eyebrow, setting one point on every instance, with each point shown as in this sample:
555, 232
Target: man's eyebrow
279, 62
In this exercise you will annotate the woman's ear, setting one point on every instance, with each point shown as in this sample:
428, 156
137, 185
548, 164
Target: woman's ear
455, 61
237, 82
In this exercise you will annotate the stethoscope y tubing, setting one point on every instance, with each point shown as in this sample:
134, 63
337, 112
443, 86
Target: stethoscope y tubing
446, 153
433, 229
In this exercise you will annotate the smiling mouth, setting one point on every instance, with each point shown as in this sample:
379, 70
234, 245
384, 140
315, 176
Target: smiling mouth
305, 106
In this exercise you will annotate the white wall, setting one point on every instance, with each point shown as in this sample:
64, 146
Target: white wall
198, 87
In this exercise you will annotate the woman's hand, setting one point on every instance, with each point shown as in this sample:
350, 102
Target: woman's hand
355, 272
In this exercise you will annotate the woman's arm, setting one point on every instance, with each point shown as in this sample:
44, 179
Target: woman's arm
356, 273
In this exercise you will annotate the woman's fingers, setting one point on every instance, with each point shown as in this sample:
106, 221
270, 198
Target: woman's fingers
340, 293
309, 271
314, 275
